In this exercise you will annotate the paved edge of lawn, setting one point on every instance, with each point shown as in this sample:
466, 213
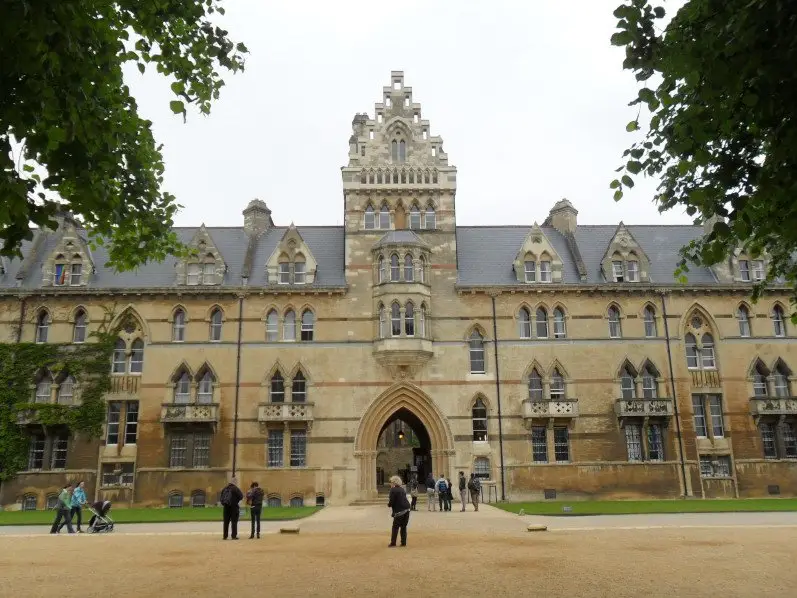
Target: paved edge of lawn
649, 507
157, 515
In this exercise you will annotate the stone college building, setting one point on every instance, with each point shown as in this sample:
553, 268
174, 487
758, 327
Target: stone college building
555, 359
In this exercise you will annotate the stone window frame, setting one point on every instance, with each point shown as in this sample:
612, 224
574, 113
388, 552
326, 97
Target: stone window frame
216, 317
383, 267
701, 329
744, 265
546, 378
134, 336
742, 314
482, 434
74, 318
614, 306
42, 322
476, 334
649, 309
204, 253
778, 317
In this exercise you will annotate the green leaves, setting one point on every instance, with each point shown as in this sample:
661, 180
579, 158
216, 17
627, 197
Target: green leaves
721, 138
75, 115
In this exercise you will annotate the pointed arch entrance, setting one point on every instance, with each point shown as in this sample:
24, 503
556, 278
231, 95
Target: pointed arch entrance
402, 401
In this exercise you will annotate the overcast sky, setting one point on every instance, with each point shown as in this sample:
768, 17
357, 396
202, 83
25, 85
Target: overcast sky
529, 97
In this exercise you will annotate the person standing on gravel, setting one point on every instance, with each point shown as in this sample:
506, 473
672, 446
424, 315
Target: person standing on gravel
230, 499
463, 491
430, 492
414, 491
474, 485
400, 506
254, 499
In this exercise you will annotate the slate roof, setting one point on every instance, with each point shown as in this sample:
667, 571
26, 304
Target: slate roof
400, 237
485, 255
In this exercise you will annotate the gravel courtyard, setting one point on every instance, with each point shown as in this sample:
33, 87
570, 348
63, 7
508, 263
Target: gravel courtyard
752, 561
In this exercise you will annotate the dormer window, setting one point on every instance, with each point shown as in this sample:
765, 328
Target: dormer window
68, 273
285, 273
530, 270
744, 270
201, 273
758, 270
298, 272
617, 271
545, 271
632, 267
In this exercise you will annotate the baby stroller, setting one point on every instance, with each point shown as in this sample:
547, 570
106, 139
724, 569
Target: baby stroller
100, 520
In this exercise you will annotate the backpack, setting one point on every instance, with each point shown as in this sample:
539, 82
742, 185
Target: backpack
226, 497
472, 485
442, 486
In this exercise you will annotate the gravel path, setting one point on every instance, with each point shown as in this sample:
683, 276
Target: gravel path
720, 562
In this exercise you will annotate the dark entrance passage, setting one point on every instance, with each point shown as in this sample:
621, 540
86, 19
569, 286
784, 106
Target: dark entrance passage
403, 449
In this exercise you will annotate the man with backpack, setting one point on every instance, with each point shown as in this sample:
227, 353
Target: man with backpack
475, 486
463, 492
430, 484
442, 493
230, 497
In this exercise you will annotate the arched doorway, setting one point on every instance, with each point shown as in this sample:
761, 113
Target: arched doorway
408, 403
404, 448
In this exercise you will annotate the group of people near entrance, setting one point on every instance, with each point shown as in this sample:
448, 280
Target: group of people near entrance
401, 506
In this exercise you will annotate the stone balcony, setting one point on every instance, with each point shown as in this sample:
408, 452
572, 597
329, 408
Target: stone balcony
643, 408
555, 408
190, 413
403, 354
774, 406
269, 413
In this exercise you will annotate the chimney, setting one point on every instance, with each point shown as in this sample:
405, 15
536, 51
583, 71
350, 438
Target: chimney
257, 218
563, 217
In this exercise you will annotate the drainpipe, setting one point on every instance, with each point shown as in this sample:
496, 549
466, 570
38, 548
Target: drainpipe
674, 396
237, 384
23, 306
498, 396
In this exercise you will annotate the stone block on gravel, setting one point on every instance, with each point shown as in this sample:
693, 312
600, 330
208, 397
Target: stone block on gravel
537, 528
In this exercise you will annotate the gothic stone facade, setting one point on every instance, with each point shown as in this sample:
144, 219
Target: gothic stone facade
555, 357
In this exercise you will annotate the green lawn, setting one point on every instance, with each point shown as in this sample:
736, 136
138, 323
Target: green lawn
155, 515
626, 507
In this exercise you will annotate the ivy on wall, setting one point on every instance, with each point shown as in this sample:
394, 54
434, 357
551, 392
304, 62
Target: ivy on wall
21, 363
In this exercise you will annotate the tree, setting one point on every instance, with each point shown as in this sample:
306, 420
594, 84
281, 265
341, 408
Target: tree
70, 135
722, 135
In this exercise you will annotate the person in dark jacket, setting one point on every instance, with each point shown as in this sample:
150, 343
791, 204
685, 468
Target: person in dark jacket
254, 498
397, 501
414, 491
231, 497
463, 492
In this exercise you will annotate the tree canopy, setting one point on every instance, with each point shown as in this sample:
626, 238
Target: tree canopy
719, 84
71, 138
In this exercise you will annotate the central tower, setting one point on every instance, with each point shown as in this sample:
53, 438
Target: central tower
398, 176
